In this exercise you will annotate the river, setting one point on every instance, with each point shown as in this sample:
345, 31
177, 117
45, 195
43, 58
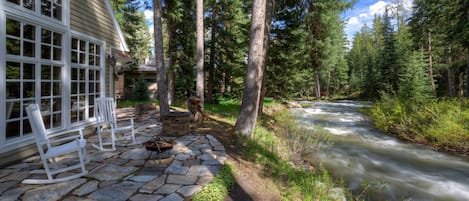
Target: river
392, 169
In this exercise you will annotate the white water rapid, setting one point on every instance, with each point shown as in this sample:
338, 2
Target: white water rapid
392, 169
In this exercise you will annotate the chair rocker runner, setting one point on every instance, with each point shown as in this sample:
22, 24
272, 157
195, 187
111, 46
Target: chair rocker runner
57, 146
105, 113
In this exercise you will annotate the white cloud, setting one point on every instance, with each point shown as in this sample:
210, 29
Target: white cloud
353, 21
363, 15
377, 8
148, 15
151, 28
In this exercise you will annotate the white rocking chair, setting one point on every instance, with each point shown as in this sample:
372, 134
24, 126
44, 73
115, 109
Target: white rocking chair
105, 113
56, 146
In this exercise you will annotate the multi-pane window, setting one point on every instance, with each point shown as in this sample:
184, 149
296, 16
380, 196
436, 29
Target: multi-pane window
85, 78
32, 77
49, 8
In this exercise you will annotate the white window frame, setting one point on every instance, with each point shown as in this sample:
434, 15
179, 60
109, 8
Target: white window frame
102, 76
35, 18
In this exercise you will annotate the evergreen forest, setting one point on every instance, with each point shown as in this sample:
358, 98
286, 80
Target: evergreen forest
413, 65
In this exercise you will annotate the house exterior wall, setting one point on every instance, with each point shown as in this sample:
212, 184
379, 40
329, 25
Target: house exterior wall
89, 23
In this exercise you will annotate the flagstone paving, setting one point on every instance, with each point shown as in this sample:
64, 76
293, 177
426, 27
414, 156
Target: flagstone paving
130, 173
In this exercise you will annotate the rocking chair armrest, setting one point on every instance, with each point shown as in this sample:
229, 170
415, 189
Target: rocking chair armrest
128, 119
69, 138
79, 130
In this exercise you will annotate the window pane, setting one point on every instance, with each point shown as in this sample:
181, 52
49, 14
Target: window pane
74, 57
82, 74
13, 110
29, 32
14, 1
74, 73
46, 72
74, 88
82, 88
45, 7
91, 60
57, 105
57, 73
13, 89
45, 52
91, 75
13, 129
82, 46
74, 44
57, 120
45, 89
9, 110
82, 58
57, 53
57, 86
13, 28
46, 119
57, 12
98, 61
45, 106
74, 103
46, 36
28, 49
13, 70
29, 4
91, 87
91, 48
57, 39
26, 127
28, 89
13, 46
28, 71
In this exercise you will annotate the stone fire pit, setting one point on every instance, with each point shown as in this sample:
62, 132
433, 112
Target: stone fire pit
176, 124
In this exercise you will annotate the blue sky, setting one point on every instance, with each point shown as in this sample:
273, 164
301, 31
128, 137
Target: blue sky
364, 11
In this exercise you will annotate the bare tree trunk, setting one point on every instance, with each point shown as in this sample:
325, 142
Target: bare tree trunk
430, 63
268, 26
200, 51
171, 33
461, 84
317, 85
451, 87
248, 113
162, 88
211, 66
467, 66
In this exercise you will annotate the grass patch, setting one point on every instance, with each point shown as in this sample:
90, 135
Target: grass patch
270, 148
442, 124
132, 103
219, 187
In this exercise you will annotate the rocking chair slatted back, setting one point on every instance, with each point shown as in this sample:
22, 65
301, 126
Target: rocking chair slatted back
105, 111
37, 124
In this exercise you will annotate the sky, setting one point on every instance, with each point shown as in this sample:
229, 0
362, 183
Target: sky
362, 13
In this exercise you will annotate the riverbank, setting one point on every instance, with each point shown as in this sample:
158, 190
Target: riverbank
441, 124
261, 165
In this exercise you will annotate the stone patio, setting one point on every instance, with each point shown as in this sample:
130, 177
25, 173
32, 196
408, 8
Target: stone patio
130, 173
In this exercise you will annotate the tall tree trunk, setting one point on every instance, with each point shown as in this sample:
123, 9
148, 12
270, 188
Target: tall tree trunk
162, 88
270, 4
211, 66
171, 33
200, 51
430, 63
317, 85
451, 87
461, 84
467, 66
248, 113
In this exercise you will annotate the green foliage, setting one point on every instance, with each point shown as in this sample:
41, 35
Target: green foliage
141, 90
132, 22
133, 103
443, 124
414, 82
218, 189
305, 184
300, 140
